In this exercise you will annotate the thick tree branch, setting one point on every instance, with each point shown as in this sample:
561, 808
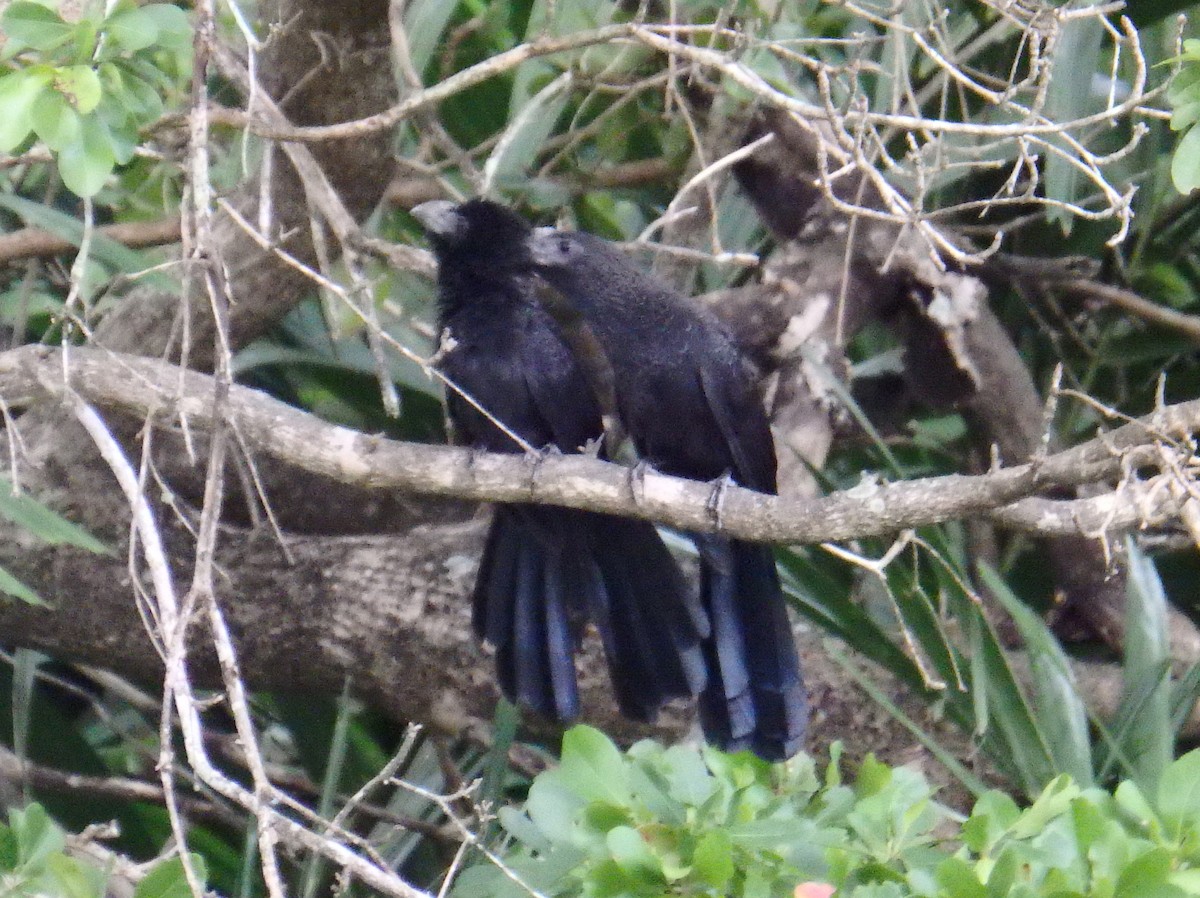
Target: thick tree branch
167, 394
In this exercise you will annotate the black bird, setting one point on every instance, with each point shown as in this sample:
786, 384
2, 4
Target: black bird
687, 398
545, 571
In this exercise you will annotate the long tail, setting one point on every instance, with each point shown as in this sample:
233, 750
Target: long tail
522, 607
544, 570
649, 621
755, 696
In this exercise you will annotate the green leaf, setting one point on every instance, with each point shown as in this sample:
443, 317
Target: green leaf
8, 848
1054, 801
10, 585
689, 780
1188, 880
167, 880
1132, 801
1006, 710
1147, 877
526, 134
85, 38
85, 164
48, 526
1070, 97
1000, 879
1090, 823
71, 878
1184, 115
518, 825
38, 836
495, 765
593, 767
1144, 717
18, 92
35, 26
993, 815
1184, 86
174, 26
958, 878
1060, 710
1179, 795
553, 806
633, 855
80, 85
55, 120
119, 131
873, 777
133, 29
713, 858
1185, 163
424, 22
135, 97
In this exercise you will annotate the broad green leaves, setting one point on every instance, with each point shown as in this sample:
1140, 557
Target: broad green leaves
18, 94
656, 821
36, 26
85, 88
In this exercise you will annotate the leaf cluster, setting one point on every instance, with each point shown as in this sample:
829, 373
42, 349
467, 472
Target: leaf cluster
34, 861
86, 87
677, 821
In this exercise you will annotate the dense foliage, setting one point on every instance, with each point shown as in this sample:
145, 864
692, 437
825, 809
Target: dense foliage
607, 137
657, 821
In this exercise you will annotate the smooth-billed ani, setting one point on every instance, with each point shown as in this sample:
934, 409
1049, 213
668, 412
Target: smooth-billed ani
546, 571
687, 398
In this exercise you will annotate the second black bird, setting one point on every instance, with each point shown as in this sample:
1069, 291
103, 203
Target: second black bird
687, 399
546, 571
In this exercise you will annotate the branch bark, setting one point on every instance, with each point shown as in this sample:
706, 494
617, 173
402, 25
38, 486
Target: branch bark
171, 396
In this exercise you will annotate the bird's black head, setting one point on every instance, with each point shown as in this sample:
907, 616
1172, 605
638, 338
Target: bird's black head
581, 265
476, 233
555, 251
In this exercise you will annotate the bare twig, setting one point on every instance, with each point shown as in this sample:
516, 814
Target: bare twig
29, 243
1127, 300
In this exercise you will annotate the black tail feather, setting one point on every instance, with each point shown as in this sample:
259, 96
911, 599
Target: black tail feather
649, 622
544, 569
755, 698
637, 691
725, 707
495, 584
560, 643
664, 618
521, 605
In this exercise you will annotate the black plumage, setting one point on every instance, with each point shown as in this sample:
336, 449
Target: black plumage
687, 398
546, 571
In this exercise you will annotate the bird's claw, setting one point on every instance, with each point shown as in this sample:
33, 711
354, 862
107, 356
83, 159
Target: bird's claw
716, 497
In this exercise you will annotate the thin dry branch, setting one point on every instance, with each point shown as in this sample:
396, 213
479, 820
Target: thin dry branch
419, 101
264, 802
125, 788
29, 243
1138, 306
